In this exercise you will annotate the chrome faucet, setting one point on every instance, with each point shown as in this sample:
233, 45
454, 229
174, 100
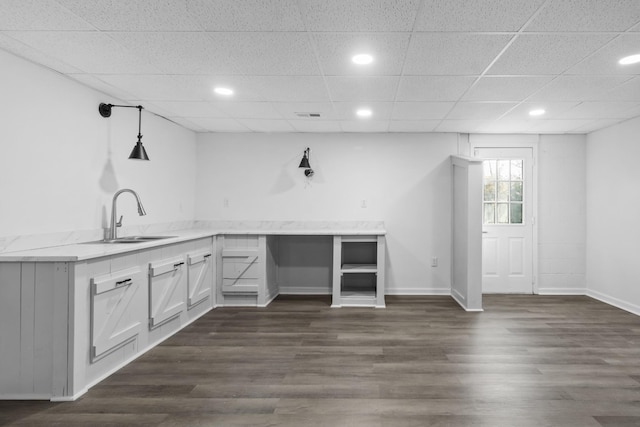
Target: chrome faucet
113, 231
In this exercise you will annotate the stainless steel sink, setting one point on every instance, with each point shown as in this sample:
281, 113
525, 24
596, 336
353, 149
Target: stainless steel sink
131, 239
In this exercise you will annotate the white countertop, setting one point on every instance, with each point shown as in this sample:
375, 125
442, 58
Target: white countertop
85, 251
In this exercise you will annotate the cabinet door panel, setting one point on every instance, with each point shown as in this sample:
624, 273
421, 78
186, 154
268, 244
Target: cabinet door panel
167, 290
199, 277
116, 300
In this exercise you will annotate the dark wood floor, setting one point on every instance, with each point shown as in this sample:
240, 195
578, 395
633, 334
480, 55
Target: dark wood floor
422, 361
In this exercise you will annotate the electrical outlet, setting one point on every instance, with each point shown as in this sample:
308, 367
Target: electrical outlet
225, 202
434, 262
363, 204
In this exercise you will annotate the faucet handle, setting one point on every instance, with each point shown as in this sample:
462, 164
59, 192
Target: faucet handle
119, 223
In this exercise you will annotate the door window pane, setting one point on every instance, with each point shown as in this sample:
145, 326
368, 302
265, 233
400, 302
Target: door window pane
489, 213
490, 191
516, 191
503, 213
503, 191
515, 213
490, 170
516, 170
503, 170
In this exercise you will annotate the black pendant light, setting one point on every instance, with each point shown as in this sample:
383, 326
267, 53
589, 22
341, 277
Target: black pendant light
138, 152
304, 163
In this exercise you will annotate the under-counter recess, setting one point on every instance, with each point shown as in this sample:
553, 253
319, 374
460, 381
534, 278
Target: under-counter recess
117, 307
167, 290
199, 276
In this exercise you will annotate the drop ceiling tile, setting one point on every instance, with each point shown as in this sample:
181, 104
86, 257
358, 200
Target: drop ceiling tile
363, 88
596, 125
179, 52
552, 110
506, 125
484, 15
161, 87
315, 125
503, 88
288, 110
90, 52
586, 15
246, 15
364, 126
466, 126
218, 125
627, 91
409, 111
602, 110
452, 53
479, 110
267, 53
248, 110
577, 88
559, 126
191, 109
413, 125
433, 88
336, 50
359, 15
605, 60
101, 86
540, 54
288, 88
37, 15
138, 15
259, 125
27, 52
187, 124
347, 110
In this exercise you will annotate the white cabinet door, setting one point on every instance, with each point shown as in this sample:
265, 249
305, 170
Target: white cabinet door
199, 277
115, 310
167, 290
241, 271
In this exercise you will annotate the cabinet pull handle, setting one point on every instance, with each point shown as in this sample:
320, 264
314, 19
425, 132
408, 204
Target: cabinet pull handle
207, 255
178, 264
124, 282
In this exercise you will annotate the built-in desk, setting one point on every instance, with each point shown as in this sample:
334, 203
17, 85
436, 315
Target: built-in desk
253, 269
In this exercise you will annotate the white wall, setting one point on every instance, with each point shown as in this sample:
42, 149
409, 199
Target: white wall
404, 180
613, 220
562, 214
61, 161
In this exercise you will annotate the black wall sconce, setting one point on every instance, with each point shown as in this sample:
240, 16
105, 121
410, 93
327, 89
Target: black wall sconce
304, 163
138, 152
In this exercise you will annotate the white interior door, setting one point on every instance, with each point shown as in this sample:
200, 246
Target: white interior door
507, 207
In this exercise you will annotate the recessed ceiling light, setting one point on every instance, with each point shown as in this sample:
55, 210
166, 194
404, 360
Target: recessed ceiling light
537, 112
362, 59
364, 112
223, 91
628, 60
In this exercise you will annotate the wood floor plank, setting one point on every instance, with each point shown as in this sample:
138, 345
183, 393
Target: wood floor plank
422, 361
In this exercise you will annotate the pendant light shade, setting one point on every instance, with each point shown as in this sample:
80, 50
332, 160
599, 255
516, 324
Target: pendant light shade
138, 152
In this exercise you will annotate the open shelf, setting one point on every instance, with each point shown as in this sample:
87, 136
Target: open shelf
359, 268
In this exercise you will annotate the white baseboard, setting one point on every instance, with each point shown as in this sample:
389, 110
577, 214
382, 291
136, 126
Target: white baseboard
623, 305
414, 291
461, 300
305, 290
562, 291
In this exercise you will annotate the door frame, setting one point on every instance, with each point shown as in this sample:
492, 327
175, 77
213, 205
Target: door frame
517, 141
